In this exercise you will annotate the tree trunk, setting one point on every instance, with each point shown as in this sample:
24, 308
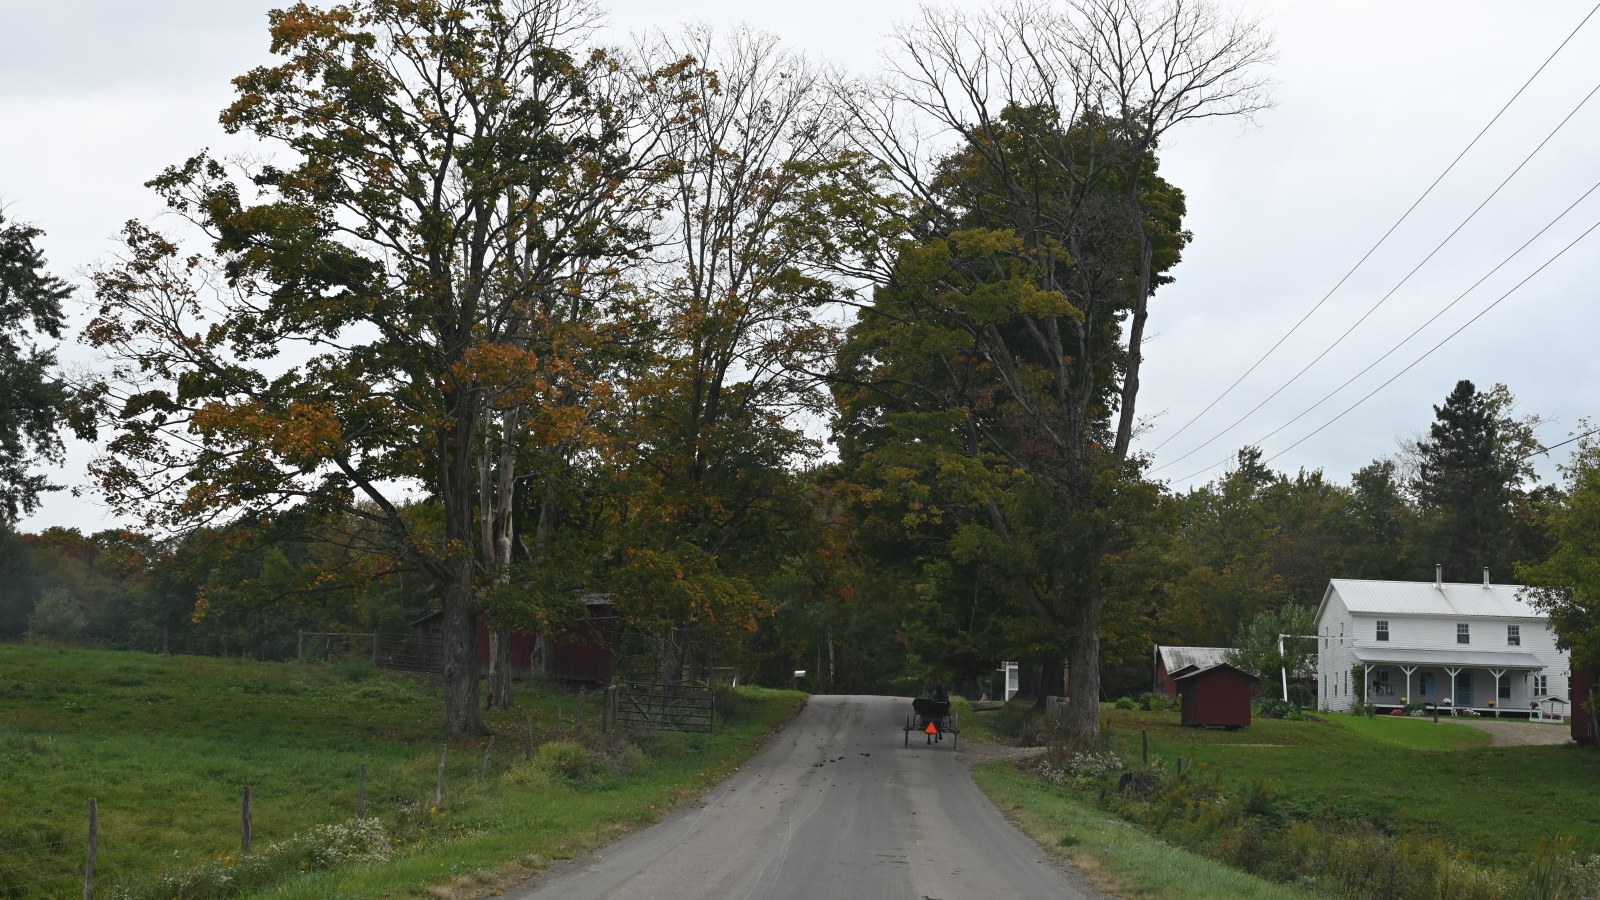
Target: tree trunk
499, 669
1083, 662
462, 718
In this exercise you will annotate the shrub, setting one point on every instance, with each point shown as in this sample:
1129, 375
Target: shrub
1127, 703
356, 842
1275, 708
1153, 702
57, 617
569, 760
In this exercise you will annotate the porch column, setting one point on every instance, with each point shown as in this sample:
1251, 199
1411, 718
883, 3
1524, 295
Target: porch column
1452, 672
1408, 670
1497, 673
1366, 681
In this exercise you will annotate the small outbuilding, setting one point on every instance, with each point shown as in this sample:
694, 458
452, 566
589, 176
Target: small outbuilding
1218, 695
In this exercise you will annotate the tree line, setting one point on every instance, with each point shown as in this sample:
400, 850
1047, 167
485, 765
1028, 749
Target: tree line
514, 316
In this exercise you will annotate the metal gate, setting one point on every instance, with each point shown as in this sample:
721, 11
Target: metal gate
664, 682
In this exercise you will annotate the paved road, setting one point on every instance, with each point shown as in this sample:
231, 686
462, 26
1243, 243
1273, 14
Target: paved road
833, 808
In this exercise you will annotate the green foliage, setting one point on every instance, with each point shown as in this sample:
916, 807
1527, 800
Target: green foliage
57, 617
1567, 585
32, 396
1277, 708
1267, 825
356, 842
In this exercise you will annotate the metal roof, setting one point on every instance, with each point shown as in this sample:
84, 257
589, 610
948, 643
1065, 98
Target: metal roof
1222, 665
1478, 659
1423, 598
1199, 657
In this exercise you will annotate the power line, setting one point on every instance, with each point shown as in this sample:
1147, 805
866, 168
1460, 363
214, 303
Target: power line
1385, 237
1381, 300
1413, 364
1562, 252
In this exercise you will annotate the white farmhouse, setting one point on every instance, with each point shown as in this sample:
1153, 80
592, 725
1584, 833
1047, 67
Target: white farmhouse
1466, 646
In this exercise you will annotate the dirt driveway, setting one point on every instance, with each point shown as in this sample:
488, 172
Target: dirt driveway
1518, 732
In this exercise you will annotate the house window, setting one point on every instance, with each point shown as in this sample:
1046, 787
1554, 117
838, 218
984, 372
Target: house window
1505, 689
1541, 686
1427, 684
1513, 635
1463, 635
1383, 630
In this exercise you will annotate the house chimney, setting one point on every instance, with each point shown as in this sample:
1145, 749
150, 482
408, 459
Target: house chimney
1485, 576
1438, 576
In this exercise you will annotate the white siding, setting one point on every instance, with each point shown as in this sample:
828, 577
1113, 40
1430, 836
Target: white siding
1341, 632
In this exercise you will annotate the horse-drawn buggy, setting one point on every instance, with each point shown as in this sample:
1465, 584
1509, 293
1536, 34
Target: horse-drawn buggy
933, 719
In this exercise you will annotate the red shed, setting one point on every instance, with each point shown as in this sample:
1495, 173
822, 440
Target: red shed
1216, 695
1584, 684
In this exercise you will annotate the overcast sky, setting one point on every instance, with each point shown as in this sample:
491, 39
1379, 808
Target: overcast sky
1374, 99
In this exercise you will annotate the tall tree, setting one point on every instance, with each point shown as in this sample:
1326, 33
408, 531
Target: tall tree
1034, 249
1470, 468
1567, 585
365, 307
32, 396
714, 407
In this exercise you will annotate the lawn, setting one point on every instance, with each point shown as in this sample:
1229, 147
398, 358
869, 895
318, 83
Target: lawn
166, 745
1411, 776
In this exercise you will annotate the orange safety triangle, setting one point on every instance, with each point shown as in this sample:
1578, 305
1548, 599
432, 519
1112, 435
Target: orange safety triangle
933, 728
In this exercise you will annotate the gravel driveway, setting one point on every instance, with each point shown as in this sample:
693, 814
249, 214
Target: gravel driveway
1518, 732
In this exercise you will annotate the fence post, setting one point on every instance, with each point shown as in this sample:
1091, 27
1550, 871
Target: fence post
527, 741
94, 835
483, 767
361, 794
244, 824
438, 784
1144, 746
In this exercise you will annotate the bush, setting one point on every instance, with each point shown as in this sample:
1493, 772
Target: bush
1275, 708
1126, 703
56, 617
1153, 702
356, 842
569, 760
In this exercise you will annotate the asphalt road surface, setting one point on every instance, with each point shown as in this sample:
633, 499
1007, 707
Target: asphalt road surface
835, 807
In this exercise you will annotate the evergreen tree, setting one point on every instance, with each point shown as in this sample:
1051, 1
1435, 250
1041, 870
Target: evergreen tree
1465, 484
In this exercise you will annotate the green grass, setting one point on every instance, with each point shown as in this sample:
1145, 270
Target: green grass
166, 744
1416, 778
1119, 856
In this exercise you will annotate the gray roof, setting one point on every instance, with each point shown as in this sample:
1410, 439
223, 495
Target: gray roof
1422, 598
1200, 657
1193, 673
1478, 659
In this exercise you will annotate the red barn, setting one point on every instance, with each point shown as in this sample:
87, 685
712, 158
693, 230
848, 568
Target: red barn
1216, 695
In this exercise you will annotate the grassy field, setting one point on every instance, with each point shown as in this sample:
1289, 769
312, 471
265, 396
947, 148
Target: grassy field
166, 745
1419, 779
1114, 853
1352, 806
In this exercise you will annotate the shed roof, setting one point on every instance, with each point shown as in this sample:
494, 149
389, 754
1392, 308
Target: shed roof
1488, 659
1424, 598
1210, 669
1201, 657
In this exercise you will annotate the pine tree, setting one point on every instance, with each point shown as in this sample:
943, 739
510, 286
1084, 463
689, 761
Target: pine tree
1465, 485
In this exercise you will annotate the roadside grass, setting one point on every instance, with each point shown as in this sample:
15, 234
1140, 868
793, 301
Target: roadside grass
1420, 780
1117, 855
166, 744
